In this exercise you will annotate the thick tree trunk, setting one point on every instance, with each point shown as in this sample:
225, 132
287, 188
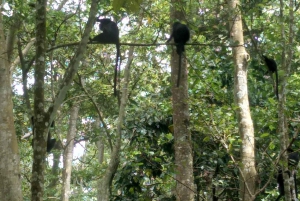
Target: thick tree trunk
68, 154
40, 129
182, 134
10, 178
181, 119
42, 118
248, 172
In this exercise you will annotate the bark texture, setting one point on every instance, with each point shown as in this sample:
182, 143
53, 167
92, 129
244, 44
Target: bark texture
43, 118
181, 119
40, 129
68, 154
248, 174
10, 181
286, 59
100, 146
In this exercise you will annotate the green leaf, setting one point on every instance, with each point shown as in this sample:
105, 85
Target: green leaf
264, 135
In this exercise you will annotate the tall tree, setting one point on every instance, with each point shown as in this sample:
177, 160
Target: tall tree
247, 169
104, 186
181, 118
286, 61
43, 117
100, 147
10, 180
40, 130
68, 153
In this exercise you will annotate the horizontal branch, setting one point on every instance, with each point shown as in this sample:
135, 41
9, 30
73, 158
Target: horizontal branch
139, 44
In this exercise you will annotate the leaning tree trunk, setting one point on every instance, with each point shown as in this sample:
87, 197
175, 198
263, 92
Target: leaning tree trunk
104, 190
68, 154
181, 119
100, 142
247, 169
10, 178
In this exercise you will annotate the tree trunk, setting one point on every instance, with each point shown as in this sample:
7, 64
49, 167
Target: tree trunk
40, 130
42, 118
104, 185
55, 172
68, 154
247, 169
10, 182
286, 59
100, 146
181, 119
98, 128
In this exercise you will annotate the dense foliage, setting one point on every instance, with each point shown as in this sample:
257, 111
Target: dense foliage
146, 171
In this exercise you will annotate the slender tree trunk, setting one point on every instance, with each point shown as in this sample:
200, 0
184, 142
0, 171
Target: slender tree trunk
68, 154
55, 172
181, 118
100, 146
10, 182
104, 190
290, 53
286, 59
100, 143
247, 169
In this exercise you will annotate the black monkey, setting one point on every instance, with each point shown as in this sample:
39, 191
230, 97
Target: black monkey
293, 160
50, 142
181, 34
280, 182
272, 68
109, 35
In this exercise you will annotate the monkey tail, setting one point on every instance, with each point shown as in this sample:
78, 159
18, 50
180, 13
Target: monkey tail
179, 50
179, 69
278, 198
296, 189
119, 66
116, 68
276, 87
